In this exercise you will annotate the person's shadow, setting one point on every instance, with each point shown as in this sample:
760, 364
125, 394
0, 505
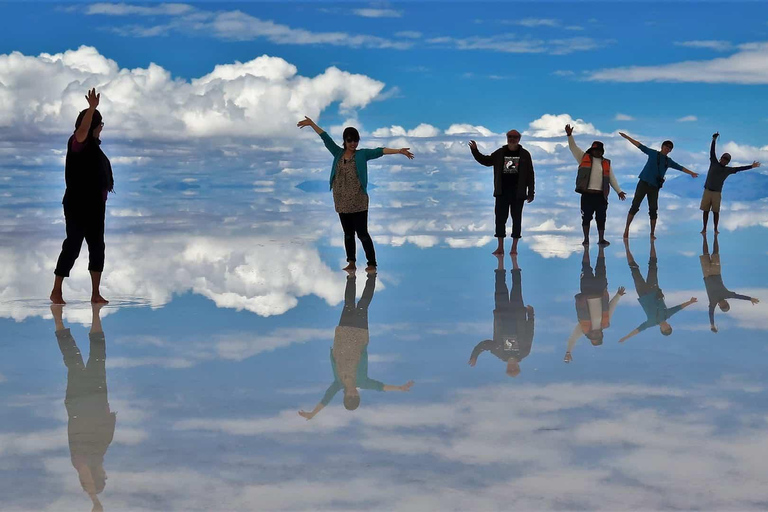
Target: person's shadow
594, 306
91, 423
513, 321
349, 354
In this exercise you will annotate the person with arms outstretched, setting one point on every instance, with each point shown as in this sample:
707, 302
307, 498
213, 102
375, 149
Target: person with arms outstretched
349, 183
513, 185
349, 354
650, 296
594, 307
717, 293
513, 321
594, 180
713, 186
88, 175
651, 180
91, 426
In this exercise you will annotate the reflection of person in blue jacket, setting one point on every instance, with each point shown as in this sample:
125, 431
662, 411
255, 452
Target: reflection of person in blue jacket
349, 355
91, 423
512, 322
650, 296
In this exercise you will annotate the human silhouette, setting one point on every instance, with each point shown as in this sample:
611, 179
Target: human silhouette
91, 424
513, 321
349, 354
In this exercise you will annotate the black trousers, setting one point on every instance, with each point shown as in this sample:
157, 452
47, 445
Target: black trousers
644, 189
506, 206
357, 223
594, 283
82, 224
357, 315
594, 205
650, 283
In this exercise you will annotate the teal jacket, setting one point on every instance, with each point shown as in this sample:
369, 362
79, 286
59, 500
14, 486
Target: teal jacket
361, 159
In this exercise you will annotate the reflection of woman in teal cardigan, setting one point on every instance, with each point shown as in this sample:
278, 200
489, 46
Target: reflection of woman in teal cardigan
349, 355
349, 183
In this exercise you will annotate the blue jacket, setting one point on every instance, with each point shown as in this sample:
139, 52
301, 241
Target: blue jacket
656, 166
361, 159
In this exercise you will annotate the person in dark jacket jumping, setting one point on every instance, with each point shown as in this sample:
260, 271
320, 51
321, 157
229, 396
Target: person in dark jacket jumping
88, 175
513, 185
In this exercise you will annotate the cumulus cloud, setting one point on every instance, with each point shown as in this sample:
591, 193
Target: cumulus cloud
550, 125
746, 66
422, 130
468, 129
378, 13
261, 97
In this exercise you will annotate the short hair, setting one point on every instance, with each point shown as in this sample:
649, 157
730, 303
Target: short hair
596, 337
724, 306
668, 331
668, 143
514, 132
351, 402
727, 156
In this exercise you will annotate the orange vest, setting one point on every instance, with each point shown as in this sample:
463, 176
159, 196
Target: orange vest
586, 167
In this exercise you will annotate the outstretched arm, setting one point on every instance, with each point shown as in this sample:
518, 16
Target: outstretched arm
630, 139
311, 414
675, 165
308, 122
712, 154
85, 125
331, 146
401, 151
633, 333
482, 159
479, 349
405, 387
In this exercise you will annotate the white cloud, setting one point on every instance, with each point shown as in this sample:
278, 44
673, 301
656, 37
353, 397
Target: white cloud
550, 125
409, 34
623, 117
510, 44
537, 22
687, 119
468, 129
123, 9
422, 130
720, 46
261, 97
746, 66
378, 13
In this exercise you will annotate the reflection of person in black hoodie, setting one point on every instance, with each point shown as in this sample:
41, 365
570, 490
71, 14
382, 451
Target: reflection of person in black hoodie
349, 355
91, 423
593, 307
717, 293
512, 322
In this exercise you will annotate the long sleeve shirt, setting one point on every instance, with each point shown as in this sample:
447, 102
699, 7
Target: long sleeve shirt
716, 291
596, 176
595, 314
718, 172
656, 166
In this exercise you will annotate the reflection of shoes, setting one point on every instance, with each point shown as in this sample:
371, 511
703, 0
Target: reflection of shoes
603, 243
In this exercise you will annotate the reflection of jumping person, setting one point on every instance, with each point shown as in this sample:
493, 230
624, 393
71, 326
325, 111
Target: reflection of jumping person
593, 180
91, 423
349, 355
513, 322
713, 187
651, 180
88, 174
349, 182
594, 309
717, 293
650, 296
513, 184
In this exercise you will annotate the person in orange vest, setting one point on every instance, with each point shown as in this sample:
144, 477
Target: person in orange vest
594, 309
593, 180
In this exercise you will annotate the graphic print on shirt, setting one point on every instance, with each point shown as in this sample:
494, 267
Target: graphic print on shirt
511, 164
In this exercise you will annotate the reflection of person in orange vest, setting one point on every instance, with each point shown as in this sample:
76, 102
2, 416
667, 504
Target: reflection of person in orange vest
593, 182
593, 307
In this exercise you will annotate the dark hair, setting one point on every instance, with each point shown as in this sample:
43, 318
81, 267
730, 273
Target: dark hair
95, 121
350, 133
596, 145
668, 143
351, 401
668, 332
596, 337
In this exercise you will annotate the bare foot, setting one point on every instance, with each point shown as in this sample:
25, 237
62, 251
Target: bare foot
704, 231
653, 237
513, 251
717, 232
350, 268
98, 299
57, 298
498, 251
371, 269
585, 242
604, 242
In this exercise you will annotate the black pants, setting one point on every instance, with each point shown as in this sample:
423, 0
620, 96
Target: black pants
645, 189
353, 223
594, 204
506, 206
594, 283
504, 299
357, 315
650, 283
88, 225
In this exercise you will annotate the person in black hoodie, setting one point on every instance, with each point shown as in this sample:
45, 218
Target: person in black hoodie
91, 422
513, 184
88, 176
513, 322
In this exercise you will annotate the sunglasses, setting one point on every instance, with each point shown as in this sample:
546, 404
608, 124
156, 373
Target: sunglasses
513, 137
350, 141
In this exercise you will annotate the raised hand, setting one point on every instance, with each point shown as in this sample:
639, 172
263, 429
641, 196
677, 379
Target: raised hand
472, 361
568, 130
694, 175
307, 415
623, 196
473, 145
305, 122
621, 291
715, 135
92, 98
624, 135
754, 300
755, 164
404, 151
407, 386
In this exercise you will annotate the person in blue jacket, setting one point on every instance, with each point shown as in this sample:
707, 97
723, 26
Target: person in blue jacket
651, 180
349, 183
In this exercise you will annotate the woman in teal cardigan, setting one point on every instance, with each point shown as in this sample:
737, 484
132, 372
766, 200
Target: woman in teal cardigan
349, 183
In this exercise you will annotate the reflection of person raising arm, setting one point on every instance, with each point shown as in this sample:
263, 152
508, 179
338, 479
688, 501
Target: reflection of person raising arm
332, 390
578, 333
648, 323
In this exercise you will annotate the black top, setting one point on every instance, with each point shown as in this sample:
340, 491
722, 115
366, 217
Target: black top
88, 174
